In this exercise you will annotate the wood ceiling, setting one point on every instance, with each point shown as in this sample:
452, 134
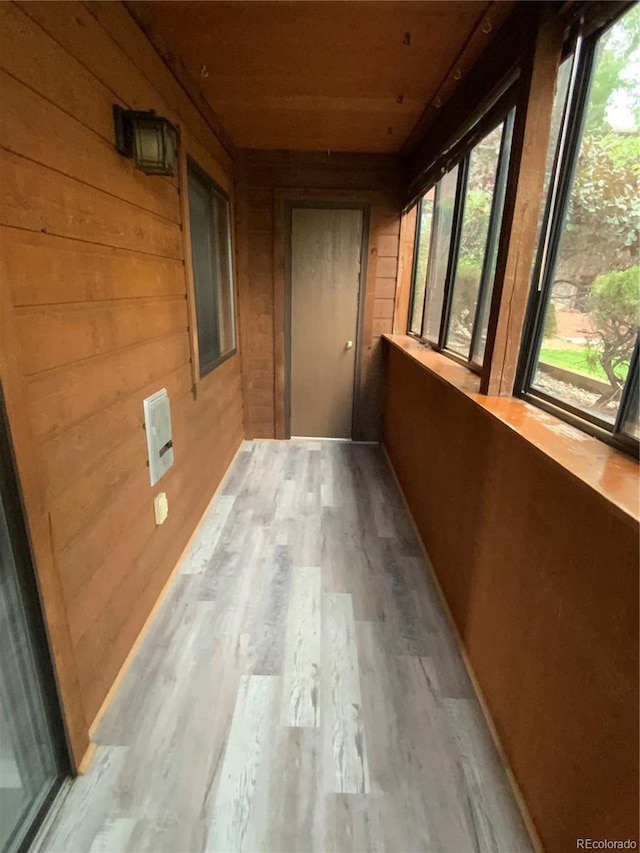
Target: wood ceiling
339, 76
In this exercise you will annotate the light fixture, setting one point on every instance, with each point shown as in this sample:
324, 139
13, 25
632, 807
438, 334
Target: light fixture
150, 139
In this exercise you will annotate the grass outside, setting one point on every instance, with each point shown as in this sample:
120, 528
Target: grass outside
576, 360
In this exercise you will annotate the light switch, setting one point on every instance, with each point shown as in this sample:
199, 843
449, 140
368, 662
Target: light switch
161, 507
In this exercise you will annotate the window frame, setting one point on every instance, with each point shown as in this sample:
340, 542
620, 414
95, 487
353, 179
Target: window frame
191, 165
414, 268
574, 116
452, 260
504, 115
434, 234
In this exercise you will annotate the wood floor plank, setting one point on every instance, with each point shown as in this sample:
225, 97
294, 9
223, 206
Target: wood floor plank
411, 760
304, 542
346, 769
497, 826
327, 496
266, 621
89, 803
237, 475
155, 664
207, 540
170, 773
301, 675
353, 822
296, 814
114, 834
238, 812
230, 578
411, 631
347, 564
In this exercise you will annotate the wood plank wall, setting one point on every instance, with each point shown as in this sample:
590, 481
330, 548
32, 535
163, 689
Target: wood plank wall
93, 260
263, 179
541, 575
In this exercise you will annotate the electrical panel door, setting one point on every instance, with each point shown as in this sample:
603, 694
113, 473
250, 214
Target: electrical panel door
157, 421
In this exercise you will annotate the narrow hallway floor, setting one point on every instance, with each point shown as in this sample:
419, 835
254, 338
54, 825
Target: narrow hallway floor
300, 688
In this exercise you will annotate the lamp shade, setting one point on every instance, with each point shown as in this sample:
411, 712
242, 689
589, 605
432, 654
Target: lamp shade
149, 139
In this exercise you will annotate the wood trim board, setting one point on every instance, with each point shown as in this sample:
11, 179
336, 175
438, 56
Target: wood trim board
188, 265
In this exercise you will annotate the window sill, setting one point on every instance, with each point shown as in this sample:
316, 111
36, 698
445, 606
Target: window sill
608, 472
199, 380
211, 368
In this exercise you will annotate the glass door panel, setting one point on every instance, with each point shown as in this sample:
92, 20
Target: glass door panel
30, 758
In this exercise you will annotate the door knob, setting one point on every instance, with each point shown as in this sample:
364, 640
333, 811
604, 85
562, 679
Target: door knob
348, 345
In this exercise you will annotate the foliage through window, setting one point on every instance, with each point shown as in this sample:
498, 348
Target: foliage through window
423, 236
212, 269
580, 352
453, 277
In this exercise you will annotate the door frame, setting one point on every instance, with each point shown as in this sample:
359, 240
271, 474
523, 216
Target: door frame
285, 203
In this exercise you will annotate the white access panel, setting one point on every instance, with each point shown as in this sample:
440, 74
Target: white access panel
157, 422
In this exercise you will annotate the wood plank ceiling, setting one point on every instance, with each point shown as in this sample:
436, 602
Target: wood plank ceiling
338, 75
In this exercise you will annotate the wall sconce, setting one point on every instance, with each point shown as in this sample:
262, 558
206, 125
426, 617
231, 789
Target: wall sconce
150, 139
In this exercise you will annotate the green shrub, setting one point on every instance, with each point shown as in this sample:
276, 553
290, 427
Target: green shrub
614, 307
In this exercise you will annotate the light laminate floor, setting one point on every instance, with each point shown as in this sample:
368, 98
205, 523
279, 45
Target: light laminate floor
299, 689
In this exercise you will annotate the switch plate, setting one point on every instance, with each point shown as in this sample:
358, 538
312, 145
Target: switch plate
157, 421
161, 507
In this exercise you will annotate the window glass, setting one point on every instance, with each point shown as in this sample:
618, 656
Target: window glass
478, 199
491, 260
561, 93
425, 216
592, 304
445, 198
212, 270
222, 253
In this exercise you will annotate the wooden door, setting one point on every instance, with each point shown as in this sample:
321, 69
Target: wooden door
326, 247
